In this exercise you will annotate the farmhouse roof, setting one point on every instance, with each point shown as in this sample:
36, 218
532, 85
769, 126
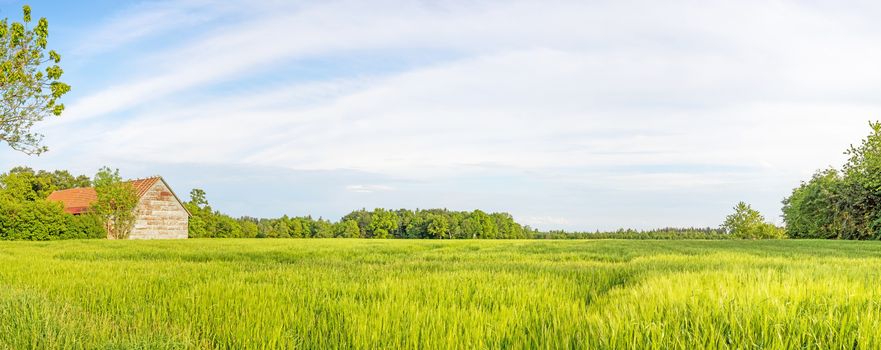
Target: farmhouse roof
78, 200
75, 200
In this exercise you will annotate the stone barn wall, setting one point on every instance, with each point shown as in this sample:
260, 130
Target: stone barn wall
160, 215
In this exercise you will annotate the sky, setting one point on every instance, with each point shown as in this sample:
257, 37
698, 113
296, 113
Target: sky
576, 115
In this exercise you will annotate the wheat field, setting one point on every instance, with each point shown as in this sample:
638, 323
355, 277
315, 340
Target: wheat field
419, 294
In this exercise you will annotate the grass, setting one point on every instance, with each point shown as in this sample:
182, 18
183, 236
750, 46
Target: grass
368, 294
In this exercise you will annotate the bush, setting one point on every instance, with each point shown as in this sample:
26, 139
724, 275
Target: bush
83, 227
25, 220
811, 210
43, 220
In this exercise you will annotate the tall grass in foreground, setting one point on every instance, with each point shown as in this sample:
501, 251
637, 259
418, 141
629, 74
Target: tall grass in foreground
328, 294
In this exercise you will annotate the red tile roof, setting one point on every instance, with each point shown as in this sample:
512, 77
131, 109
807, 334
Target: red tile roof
75, 200
143, 185
78, 200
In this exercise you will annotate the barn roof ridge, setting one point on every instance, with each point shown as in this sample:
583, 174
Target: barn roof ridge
145, 178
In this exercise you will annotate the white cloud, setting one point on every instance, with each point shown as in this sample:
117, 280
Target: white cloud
145, 20
545, 221
368, 188
629, 97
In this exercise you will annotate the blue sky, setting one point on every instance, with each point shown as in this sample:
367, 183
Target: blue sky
567, 114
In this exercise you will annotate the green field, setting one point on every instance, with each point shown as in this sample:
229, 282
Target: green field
367, 294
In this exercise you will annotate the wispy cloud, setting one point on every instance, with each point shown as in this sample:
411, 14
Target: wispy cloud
368, 188
545, 221
568, 102
148, 19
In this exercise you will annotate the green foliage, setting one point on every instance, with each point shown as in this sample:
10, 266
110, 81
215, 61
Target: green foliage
383, 223
38, 220
249, 229
747, 222
26, 215
436, 226
198, 198
845, 204
115, 204
205, 222
41, 220
811, 210
25, 184
30, 83
322, 229
83, 226
478, 225
348, 229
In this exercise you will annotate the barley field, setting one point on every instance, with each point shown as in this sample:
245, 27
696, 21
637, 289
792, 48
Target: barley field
409, 294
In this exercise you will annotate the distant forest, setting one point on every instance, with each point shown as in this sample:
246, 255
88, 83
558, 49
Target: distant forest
25, 214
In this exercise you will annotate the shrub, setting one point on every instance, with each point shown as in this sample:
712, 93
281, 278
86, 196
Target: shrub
83, 226
25, 220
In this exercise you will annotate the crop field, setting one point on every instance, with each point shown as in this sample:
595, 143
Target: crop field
409, 294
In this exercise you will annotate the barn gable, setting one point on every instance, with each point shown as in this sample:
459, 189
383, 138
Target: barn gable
160, 214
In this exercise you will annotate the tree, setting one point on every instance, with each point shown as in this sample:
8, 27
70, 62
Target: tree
841, 204
860, 192
382, 223
198, 198
115, 204
298, 228
415, 228
811, 210
63, 179
479, 224
747, 222
436, 226
249, 229
322, 229
348, 229
225, 227
202, 217
506, 226
406, 220
23, 184
30, 83
363, 218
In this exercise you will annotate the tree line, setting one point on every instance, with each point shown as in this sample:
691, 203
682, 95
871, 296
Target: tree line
744, 223
661, 233
376, 223
26, 214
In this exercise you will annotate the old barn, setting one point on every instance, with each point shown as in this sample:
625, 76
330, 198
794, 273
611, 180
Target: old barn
160, 214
